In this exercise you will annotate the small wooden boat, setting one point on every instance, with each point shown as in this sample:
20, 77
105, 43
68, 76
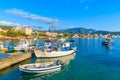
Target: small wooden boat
41, 67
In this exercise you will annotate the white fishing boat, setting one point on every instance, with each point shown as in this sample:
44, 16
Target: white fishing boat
43, 54
41, 67
23, 44
56, 52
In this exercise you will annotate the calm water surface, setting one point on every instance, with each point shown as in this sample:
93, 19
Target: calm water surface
91, 62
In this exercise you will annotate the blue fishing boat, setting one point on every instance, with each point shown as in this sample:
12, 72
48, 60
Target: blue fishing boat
107, 41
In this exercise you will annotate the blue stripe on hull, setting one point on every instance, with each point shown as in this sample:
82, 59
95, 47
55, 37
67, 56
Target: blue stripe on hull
40, 71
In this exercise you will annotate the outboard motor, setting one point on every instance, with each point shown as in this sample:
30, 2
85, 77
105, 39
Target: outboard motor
59, 62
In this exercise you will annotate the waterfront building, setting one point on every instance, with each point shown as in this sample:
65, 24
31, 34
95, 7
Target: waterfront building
27, 30
2, 30
52, 34
76, 36
115, 36
95, 36
89, 36
17, 28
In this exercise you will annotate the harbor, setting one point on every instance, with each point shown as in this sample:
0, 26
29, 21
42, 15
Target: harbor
13, 54
91, 57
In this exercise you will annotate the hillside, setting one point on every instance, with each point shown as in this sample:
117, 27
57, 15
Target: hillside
85, 31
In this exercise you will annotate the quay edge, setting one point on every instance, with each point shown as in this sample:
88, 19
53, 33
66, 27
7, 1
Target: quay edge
14, 59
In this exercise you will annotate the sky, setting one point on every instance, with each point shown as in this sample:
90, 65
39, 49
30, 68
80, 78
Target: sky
64, 14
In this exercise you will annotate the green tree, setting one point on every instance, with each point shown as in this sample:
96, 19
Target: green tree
13, 33
42, 34
68, 35
3, 33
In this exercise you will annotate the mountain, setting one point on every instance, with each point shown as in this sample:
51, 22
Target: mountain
1, 26
86, 31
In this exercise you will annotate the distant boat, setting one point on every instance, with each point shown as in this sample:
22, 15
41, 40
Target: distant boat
41, 67
50, 40
62, 39
70, 40
107, 41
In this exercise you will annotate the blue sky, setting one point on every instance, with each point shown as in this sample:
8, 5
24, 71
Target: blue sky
95, 14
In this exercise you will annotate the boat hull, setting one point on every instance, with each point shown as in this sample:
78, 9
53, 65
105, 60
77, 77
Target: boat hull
42, 71
39, 70
41, 54
106, 43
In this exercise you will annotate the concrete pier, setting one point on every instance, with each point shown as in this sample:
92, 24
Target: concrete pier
13, 59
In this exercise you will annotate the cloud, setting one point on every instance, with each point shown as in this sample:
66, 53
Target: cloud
31, 16
5, 23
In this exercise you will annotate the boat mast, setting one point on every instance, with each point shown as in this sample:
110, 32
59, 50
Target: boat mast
52, 29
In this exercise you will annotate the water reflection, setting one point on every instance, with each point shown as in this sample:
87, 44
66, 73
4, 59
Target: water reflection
33, 76
107, 47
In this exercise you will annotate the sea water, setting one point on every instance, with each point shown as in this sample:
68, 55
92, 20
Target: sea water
92, 61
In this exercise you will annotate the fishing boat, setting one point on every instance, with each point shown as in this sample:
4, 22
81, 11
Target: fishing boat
42, 54
23, 44
50, 40
41, 67
65, 60
55, 51
63, 39
107, 41
70, 40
